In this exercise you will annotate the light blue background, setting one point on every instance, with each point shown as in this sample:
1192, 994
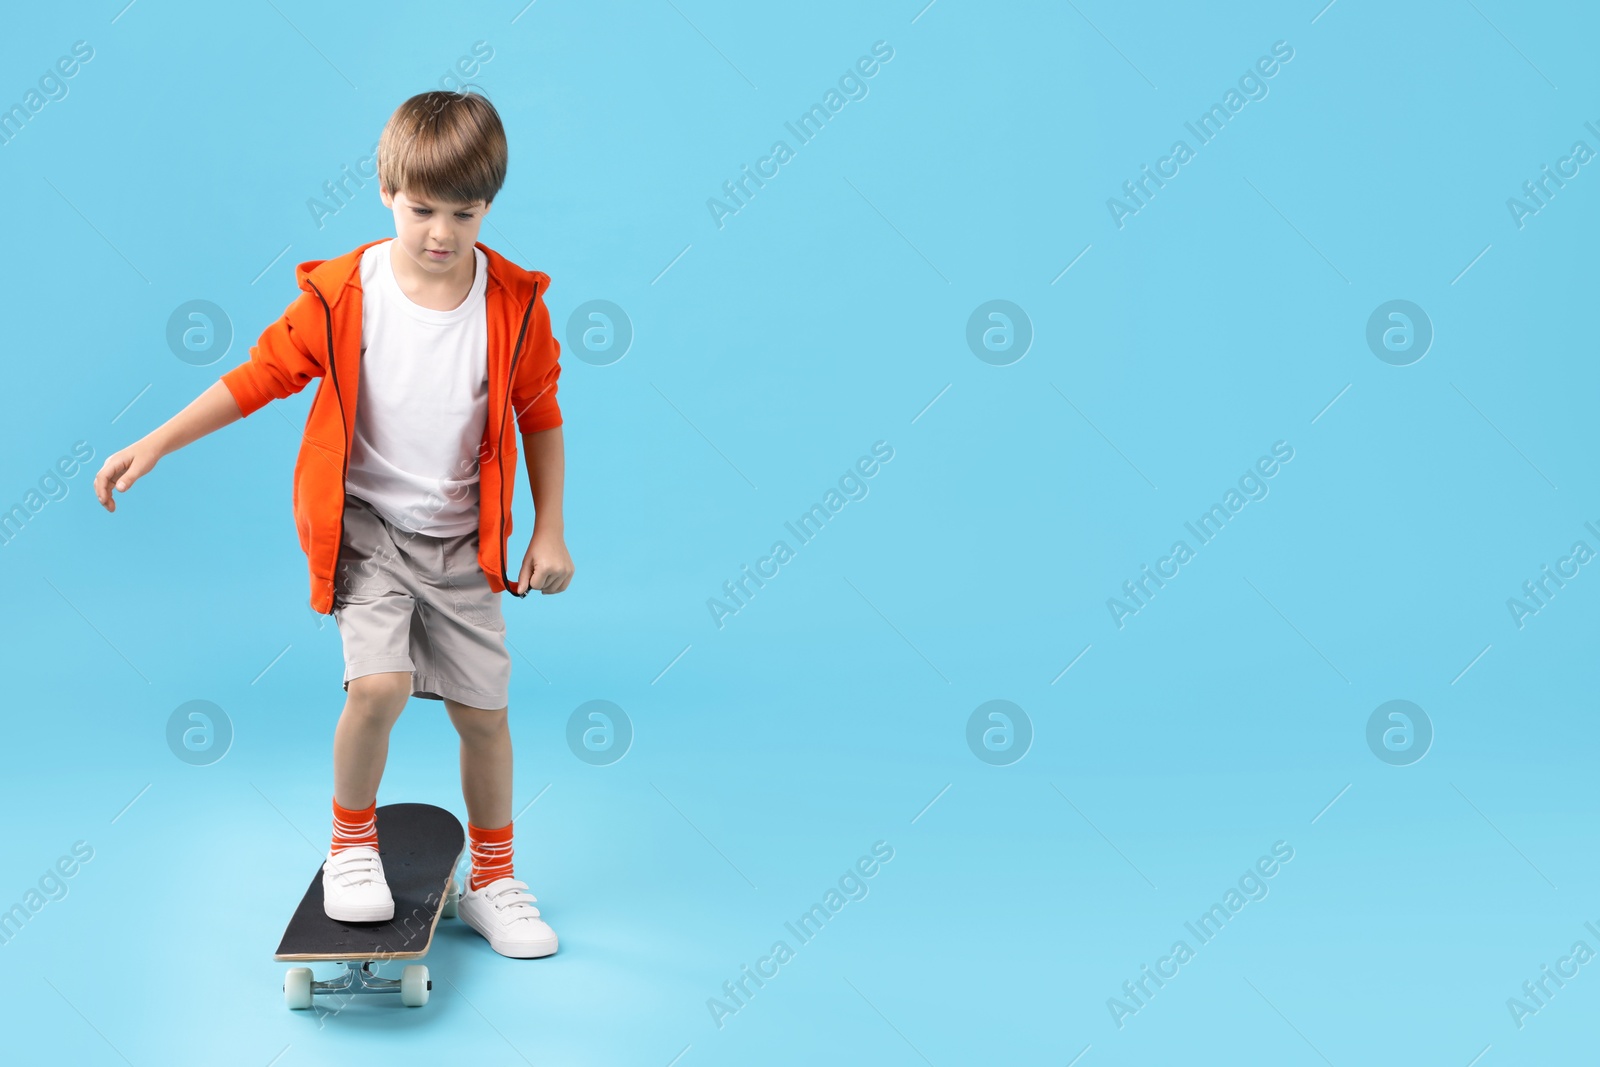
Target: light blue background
1227, 715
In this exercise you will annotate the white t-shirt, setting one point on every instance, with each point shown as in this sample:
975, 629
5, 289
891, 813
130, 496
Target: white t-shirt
422, 404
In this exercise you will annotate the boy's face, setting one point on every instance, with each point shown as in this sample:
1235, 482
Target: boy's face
422, 225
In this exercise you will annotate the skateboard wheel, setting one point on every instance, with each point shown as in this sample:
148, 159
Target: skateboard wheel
451, 896
413, 985
297, 987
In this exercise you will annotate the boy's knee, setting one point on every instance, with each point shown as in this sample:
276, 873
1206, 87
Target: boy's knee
477, 722
383, 694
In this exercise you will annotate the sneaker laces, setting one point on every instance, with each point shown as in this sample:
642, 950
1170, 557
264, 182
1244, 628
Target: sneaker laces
512, 901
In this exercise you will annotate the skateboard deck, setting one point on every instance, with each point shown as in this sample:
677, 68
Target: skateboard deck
421, 846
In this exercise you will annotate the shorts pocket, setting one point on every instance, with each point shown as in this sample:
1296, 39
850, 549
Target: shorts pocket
468, 587
365, 553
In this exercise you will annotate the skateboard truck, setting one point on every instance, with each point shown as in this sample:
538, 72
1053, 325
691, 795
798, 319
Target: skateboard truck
359, 977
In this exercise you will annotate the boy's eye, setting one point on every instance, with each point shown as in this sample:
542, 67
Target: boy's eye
426, 211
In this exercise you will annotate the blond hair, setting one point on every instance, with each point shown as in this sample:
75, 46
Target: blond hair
447, 146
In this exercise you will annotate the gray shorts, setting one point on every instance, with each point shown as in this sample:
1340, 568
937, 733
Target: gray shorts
411, 602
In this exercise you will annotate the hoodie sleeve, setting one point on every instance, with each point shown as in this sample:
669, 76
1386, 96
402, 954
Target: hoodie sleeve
287, 356
533, 393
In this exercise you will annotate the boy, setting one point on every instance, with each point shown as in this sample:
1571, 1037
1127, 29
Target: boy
430, 346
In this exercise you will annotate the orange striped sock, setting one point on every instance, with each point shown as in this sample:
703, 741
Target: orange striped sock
491, 854
354, 826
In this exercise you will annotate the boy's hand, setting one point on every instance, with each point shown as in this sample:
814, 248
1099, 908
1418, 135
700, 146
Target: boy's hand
546, 566
124, 468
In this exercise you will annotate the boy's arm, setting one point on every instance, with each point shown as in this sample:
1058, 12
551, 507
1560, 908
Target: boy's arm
546, 565
211, 410
280, 363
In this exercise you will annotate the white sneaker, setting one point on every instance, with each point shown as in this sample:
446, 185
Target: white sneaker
503, 912
353, 886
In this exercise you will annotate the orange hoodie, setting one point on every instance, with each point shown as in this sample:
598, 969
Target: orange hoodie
319, 335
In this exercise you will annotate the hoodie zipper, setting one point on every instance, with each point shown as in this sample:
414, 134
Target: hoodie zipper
344, 428
500, 452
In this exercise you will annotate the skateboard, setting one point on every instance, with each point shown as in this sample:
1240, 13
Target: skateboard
421, 846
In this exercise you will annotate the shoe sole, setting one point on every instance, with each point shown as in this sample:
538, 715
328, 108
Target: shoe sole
356, 915
522, 950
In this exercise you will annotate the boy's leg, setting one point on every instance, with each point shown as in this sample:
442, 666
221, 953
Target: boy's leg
508, 918
459, 656
353, 886
361, 740
486, 787
485, 762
